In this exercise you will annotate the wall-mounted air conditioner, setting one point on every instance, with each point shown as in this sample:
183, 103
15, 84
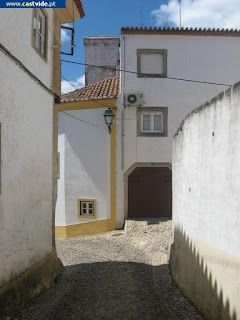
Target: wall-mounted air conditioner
134, 99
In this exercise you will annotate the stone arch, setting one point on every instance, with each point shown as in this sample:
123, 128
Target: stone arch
131, 169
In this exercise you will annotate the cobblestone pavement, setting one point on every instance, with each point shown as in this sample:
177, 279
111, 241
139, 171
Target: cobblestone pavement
115, 276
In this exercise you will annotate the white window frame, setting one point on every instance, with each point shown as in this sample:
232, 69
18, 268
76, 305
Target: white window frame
85, 206
152, 114
39, 34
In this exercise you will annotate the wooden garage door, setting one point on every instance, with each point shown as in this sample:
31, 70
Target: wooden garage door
150, 193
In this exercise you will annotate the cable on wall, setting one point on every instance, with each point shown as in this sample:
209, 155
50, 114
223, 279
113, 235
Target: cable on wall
134, 72
84, 121
28, 72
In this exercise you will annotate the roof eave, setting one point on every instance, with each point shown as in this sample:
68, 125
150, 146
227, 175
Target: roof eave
87, 104
80, 8
181, 31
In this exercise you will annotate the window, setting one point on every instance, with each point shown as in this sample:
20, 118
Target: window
151, 63
152, 121
39, 31
87, 208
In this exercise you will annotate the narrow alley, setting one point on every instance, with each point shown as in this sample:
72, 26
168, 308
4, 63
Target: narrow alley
121, 274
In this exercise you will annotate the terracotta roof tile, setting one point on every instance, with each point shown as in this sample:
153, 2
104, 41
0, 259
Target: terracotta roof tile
104, 89
80, 7
181, 31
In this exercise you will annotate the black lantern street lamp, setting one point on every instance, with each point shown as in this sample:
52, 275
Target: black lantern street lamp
108, 116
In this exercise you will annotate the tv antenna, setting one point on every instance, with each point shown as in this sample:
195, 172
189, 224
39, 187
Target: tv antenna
141, 12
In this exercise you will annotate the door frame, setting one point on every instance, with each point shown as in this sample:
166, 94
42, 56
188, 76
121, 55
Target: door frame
131, 169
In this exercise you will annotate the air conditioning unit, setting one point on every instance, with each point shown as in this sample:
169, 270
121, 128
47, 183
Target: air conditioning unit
134, 99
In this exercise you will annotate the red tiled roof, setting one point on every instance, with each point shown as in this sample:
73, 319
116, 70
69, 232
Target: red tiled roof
182, 31
104, 89
80, 7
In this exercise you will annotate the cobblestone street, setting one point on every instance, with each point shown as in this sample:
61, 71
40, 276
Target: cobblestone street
118, 275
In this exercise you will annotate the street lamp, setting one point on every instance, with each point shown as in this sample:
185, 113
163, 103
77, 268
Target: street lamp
108, 116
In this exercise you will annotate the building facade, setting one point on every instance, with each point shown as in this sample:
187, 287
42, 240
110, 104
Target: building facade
86, 201
154, 99
30, 86
164, 73
87, 152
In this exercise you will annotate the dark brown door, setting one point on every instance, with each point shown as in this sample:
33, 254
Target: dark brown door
150, 193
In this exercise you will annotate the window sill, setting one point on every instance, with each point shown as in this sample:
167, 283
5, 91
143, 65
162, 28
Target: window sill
142, 75
152, 134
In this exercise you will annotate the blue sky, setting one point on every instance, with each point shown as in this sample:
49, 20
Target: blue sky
106, 17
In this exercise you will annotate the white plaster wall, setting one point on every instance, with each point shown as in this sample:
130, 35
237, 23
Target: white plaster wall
207, 175
87, 163
60, 215
205, 257
26, 165
17, 38
213, 59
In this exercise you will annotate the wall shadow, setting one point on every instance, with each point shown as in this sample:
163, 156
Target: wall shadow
116, 291
196, 281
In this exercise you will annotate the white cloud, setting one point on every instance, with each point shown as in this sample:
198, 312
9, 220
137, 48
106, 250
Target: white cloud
64, 33
67, 87
200, 13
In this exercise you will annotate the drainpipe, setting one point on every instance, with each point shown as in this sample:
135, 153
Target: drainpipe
123, 99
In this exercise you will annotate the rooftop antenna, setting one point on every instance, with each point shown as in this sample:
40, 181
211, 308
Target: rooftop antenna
180, 13
141, 12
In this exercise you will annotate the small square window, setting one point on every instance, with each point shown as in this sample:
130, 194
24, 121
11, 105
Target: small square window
86, 208
39, 32
151, 63
152, 121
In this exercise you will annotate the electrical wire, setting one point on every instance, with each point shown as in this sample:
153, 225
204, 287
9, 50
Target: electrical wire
27, 71
145, 74
77, 117
96, 101
84, 121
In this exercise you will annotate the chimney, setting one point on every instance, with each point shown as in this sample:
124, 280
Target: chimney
101, 51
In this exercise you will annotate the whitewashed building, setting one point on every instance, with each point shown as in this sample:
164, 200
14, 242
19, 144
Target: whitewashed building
158, 101
86, 201
30, 85
164, 74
